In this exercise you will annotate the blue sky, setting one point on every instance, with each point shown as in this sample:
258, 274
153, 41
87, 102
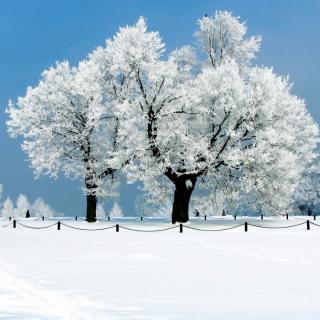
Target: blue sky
36, 33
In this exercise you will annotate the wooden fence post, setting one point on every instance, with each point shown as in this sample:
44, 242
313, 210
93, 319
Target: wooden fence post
308, 225
181, 228
262, 217
117, 228
246, 226
287, 216
59, 225
14, 223
235, 217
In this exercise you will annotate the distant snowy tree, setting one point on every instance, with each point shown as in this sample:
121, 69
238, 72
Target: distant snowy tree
7, 209
37, 209
164, 210
40, 209
67, 125
306, 198
227, 121
22, 205
116, 210
209, 205
100, 211
147, 205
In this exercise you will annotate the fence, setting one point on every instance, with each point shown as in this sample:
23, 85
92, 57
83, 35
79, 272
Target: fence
14, 223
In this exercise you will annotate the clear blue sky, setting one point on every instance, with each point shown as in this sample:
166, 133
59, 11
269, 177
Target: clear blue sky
36, 33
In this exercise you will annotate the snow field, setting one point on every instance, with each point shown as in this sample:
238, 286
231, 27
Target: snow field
71, 274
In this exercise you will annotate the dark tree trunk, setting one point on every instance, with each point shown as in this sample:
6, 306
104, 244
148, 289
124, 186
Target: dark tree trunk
183, 189
91, 208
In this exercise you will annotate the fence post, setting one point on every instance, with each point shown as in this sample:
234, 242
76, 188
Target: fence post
9, 218
108, 218
76, 218
308, 225
246, 226
205, 217
262, 217
58, 225
287, 216
181, 228
314, 217
141, 218
117, 228
235, 217
42, 218
14, 223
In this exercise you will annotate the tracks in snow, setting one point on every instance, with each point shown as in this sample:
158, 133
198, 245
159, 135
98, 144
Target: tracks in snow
27, 299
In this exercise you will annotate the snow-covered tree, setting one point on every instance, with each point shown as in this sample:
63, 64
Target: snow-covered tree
68, 126
22, 205
210, 205
227, 121
100, 211
306, 198
147, 205
175, 123
37, 209
116, 210
147, 89
41, 209
7, 209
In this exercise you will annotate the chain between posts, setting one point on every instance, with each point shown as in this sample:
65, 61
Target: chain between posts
315, 224
30, 227
85, 229
7, 225
14, 223
141, 230
223, 229
277, 227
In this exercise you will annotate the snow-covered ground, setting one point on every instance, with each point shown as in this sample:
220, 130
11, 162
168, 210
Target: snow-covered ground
81, 275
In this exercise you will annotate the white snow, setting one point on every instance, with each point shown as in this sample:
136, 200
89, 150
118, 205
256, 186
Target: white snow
231, 275
189, 184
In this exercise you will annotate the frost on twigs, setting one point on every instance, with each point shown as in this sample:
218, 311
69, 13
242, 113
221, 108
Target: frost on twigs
223, 37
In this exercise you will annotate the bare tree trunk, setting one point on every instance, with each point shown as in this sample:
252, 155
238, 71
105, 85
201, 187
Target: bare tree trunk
91, 208
183, 189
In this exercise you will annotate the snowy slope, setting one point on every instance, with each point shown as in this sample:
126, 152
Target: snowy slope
72, 274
